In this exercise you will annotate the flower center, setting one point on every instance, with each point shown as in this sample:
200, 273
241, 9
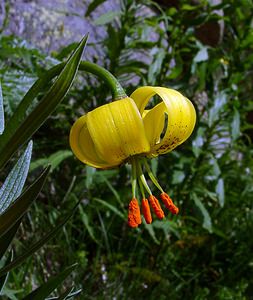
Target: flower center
139, 183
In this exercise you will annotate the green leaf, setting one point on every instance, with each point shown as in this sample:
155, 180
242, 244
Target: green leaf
151, 231
1, 111
219, 103
93, 5
89, 176
107, 18
73, 294
47, 288
207, 222
22, 203
7, 238
4, 278
111, 207
36, 246
14, 183
220, 191
15, 85
235, 125
189, 7
67, 294
198, 142
53, 160
45, 107
155, 67
85, 220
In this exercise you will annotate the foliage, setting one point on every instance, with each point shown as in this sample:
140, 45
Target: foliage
206, 251
13, 203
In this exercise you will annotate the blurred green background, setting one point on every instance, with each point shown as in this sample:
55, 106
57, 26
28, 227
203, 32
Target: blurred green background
202, 48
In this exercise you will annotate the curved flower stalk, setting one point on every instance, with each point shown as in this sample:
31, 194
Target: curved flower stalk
124, 131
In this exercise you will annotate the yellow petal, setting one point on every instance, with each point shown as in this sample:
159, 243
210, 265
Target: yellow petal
117, 131
153, 120
82, 145
181, 116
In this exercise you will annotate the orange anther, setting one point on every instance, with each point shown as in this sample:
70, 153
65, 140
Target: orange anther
156, 207
146, 211
169, 203
134, 214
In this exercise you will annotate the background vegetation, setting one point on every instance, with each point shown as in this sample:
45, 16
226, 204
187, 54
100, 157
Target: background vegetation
206, 251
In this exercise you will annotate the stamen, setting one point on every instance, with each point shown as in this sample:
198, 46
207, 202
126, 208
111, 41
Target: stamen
134, 178
152, 177
169, 203
146, 211
142, 178
134, 214
156, 207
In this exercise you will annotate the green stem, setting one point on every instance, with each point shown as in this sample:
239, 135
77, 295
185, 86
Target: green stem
115, 87
141, 188
39, 85
152, 177
142, 178
134, 179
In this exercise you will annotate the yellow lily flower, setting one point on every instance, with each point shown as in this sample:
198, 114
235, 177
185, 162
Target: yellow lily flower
124, 131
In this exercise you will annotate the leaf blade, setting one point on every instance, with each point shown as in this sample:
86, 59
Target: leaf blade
4, 278
7, 238
207, 222
47, 288
14, 183
22, 203
1, 111
36, 246
45, 107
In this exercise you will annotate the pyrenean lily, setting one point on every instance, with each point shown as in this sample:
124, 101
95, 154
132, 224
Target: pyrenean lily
124, 131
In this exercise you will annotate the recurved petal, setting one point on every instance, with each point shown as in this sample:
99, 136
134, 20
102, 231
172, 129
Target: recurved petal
181, 116
181, 120
82, 145
153, 120
117, 131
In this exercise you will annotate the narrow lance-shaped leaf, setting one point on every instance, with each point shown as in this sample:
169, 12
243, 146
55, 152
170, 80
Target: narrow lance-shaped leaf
7, 238
47, 288
53, 160
93, 5
14, 183
1, 111
4, 278
235, 125
111, 207
68, 294
22, 203
71, 294
36, 246
44, 108
207, 222
220, 191
85, 220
